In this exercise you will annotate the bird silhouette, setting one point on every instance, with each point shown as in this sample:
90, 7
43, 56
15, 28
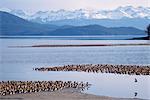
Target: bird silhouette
135, 80
135, 94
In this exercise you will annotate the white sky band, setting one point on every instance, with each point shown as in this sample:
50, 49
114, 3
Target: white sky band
36, 5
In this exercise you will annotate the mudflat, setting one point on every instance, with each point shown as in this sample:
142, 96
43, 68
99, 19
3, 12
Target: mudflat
65, 94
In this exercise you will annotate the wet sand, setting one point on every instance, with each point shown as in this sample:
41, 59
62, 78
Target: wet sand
65, 94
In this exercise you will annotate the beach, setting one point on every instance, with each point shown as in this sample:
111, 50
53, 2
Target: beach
65, 94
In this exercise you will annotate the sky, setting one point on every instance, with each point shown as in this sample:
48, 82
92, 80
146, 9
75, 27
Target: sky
36, 5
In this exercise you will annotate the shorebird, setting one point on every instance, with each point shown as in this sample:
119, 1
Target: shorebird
135, 80
135, 94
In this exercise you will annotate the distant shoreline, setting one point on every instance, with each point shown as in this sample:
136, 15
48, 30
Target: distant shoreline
81, 37
142, 38
79, 45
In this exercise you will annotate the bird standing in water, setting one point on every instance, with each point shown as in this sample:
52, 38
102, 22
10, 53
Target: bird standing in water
135, 80
135, 94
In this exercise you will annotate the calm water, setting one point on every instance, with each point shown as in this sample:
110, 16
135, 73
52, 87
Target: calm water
17, 64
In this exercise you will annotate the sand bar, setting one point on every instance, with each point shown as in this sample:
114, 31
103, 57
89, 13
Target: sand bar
79, 45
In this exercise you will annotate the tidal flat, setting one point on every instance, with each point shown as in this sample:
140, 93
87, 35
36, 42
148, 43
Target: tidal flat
18, 63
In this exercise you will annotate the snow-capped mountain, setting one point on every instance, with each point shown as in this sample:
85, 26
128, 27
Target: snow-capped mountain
47, 16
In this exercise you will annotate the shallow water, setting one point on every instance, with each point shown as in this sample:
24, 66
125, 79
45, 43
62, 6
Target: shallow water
17, 64
102, 37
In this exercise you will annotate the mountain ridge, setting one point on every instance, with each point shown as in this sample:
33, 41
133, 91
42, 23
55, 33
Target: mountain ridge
51, 15
127, 16
125, 22
12, 25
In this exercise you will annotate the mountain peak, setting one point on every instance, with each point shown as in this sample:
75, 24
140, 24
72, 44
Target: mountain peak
13, 25
122, 16
118, 13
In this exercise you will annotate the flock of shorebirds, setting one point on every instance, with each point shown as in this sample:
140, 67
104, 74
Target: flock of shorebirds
17, 87
101, 68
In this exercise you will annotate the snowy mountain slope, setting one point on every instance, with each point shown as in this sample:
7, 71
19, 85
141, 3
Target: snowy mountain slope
47, 16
